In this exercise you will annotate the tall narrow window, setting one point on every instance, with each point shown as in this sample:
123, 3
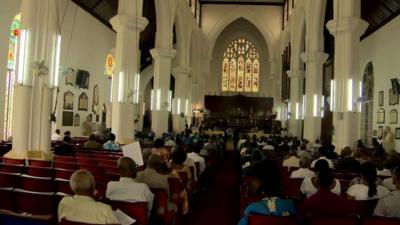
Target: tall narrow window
241, 67
11, 61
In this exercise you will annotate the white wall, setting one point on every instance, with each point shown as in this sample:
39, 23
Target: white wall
87, 50
382, 48
270, 15
8, 9
91, 42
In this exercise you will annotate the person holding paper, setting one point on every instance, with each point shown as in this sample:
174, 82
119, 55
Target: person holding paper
127, 189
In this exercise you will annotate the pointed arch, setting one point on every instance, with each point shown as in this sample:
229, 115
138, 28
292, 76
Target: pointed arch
235, 14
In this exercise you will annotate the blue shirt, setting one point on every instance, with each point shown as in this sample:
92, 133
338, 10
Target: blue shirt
269, 207
110, 145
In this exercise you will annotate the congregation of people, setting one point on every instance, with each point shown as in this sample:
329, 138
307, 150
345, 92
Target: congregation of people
281, 177
285, 176
185, 157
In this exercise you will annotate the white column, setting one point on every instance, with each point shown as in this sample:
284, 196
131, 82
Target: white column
347, 27
162, 71
128, 24
296, 93
181, 95
33, 92
313, 97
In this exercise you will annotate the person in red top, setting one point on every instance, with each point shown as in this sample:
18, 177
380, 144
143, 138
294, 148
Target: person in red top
160, 150
325, 202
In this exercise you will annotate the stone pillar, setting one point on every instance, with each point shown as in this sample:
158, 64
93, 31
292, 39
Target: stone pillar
296, 94
128, 24
34, 85
181, 94
347, 27
313, 107
162, 71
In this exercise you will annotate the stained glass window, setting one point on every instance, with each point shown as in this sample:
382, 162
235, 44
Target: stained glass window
14, 32
241, 67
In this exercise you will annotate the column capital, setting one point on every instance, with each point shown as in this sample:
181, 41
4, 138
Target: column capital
181, 71
316, 56
299, 74
128, 22
347, 25
163, 53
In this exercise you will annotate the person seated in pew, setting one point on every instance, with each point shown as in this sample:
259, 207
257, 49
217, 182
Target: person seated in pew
154, 179
160, 150
271, 204
178, 159
348, 163
302, 152
82, 207
367, 188
127, 189
193, 154
364, 155
56, 136
389, 206
303, 171
291, 161
309, 185
111, 145
65, 148
92, 143
325, 202
323, 155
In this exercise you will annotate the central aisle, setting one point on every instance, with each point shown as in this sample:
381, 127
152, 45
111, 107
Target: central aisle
219, 204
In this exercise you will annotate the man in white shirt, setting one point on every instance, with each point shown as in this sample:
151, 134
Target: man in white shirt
322, 153
127, 189
292, 161
304, 170
56, 136
82, 207
197, 158
389, 206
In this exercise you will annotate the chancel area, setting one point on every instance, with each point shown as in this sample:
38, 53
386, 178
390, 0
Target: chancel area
189, 112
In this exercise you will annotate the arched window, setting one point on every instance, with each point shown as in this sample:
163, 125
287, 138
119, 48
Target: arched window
11, 59
241, 67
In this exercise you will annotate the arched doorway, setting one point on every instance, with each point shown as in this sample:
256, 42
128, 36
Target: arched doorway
367, 105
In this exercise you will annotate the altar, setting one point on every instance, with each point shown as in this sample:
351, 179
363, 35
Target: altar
241, 113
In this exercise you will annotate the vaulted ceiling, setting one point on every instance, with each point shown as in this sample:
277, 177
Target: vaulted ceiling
376, 12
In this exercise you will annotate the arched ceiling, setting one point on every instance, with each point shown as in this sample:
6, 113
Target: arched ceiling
238, 28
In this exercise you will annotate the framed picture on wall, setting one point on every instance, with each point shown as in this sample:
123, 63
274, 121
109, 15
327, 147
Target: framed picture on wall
381, 98
68, 118
393, 116
77, 120
68, 100
381, 116
393, 98
397, 133
380, 132
83, 102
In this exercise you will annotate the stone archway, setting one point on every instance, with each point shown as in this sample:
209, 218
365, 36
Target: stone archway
367, 104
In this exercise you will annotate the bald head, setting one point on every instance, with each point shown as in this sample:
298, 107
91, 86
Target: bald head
127, 167
82, 183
